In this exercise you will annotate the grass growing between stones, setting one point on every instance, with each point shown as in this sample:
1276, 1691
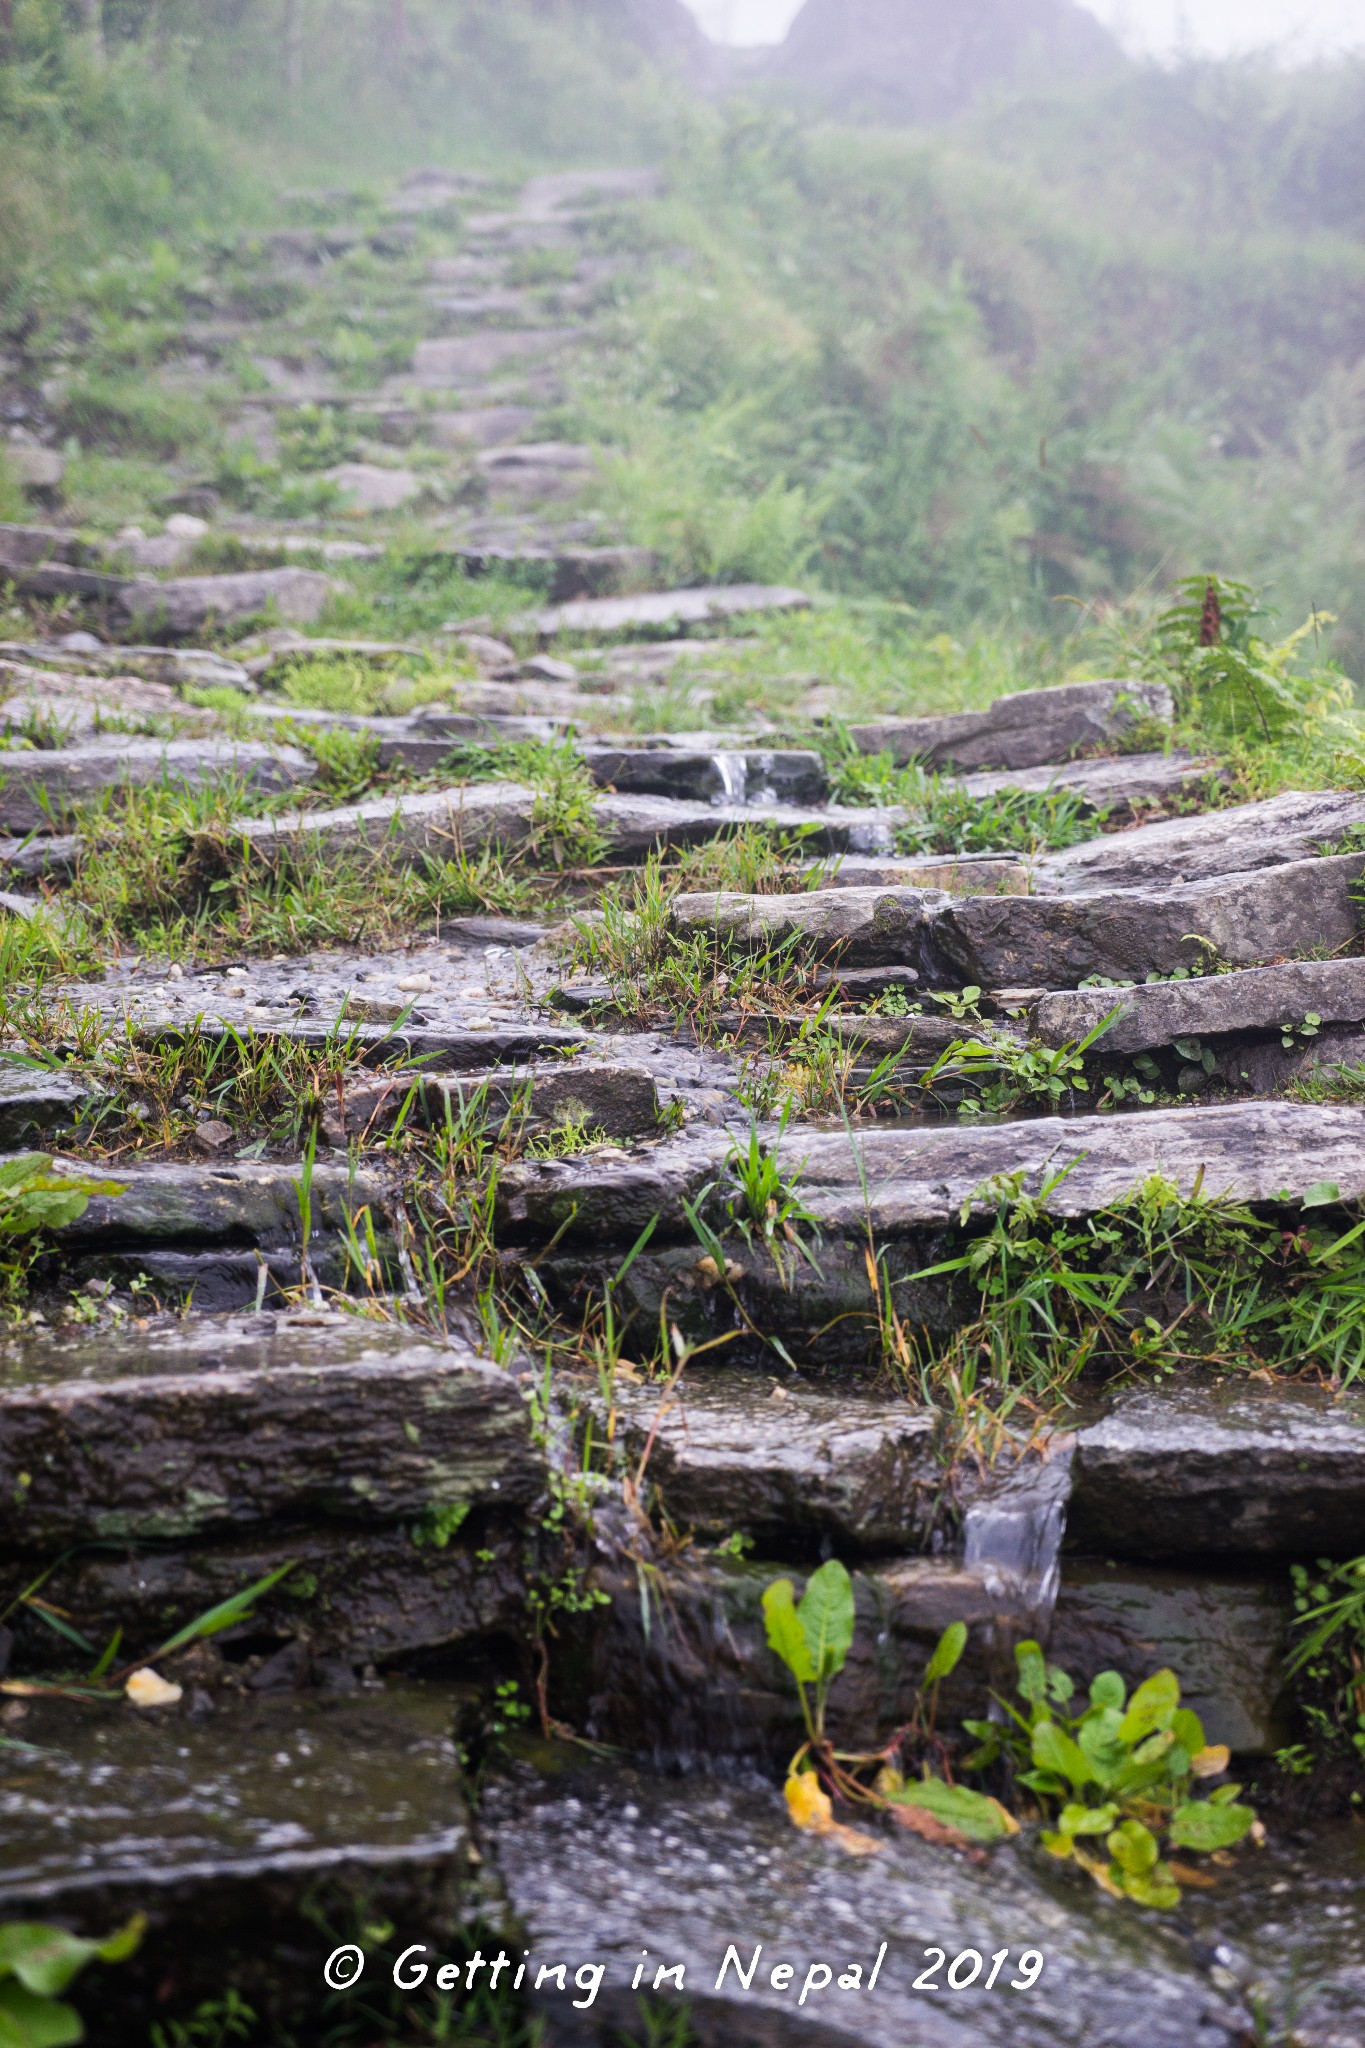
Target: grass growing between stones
1148, 1286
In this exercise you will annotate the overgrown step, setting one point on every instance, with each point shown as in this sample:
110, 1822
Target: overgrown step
1026, 729
183, 606
1279, 831
612, 1099
243, 1834
442, 823
1239, 919
895, 1182
1122, 787
41, 790
221, 1231
1164, 1475
139, 1436
592, 1857
670, 608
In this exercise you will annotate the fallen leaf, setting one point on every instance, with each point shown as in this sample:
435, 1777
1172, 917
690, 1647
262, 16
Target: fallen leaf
811, 1808
147, 1688
926, 1827
1185, 1873
1209, 1762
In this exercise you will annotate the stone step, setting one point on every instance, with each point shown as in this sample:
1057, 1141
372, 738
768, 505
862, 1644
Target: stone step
1166, 1475
1024, 730
672, 608
209, 1230
438, 823
446, 364
33, 1101
1218, 1006
32, 547
183, 606
919, 1178
41, 790
1280, 831
126, 1436
695, 1677
996, 941
177, 667
613, 1098
1122, 787
644, 1873
960, 874
243, 1835
574, 571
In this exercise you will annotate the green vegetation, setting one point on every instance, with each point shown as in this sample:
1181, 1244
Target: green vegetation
1328, 1659
1124, 1769
37, 1964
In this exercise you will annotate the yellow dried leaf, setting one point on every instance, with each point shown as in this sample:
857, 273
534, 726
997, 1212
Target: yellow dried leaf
853, 1841
1208, 1762
808, 1803
147, 1688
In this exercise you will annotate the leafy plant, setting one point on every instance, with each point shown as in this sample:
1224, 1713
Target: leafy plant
812, 1639
33, 1197
213, 2024
1124, 1770
37, 1963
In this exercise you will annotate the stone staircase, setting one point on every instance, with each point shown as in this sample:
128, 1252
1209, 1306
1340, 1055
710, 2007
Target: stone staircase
210, 1396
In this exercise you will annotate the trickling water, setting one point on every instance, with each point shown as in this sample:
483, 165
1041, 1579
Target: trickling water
733, 770
1013, 1534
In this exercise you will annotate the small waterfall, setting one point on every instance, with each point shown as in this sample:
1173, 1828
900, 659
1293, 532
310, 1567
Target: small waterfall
1013, 1535
733, 770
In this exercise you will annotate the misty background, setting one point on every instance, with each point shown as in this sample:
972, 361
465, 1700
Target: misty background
955, 305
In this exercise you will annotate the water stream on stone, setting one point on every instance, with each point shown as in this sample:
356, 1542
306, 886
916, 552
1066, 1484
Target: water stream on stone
1013, 1535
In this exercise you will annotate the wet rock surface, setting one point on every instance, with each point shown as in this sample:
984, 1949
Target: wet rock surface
40, 790
1023, 730
613, 1862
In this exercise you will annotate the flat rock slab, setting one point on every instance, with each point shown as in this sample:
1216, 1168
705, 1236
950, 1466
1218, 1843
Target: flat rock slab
961, 875
452, 361
1130, 782
159, 1801
176, 667
231, 1432
25, 547
611, 1099
1028, 729
917, 1179
41, 789
1239, 919
443, 822
794, 1473
1281, 830
35, 1100
1212, 1006
1230, 1472
186, 605
667, 608
609, 1863
858, 927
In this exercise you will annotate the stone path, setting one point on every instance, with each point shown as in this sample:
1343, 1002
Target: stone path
366, 1193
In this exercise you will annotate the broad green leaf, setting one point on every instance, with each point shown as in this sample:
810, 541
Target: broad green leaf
826, 1615
1107, 1690
785, 1633
948, 1654
1133, 1847
1188, 1731
1202, 1826
1322, 1195
30, 2021
1087, 1820
974, 1815
1056, 1844
1153, 1705
24, 1166
1054, 1750
43, 1958
1155, 1888
1032, 1671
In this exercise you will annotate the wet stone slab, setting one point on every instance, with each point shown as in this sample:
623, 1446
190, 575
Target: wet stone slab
1294, 826
40, 790
793, 1469
233, 1834
1232, 1472
222, 1234
33, 1103
234, 1425
1214, 1006
608, 1863
1028, 729
919, 1178
1120, 787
